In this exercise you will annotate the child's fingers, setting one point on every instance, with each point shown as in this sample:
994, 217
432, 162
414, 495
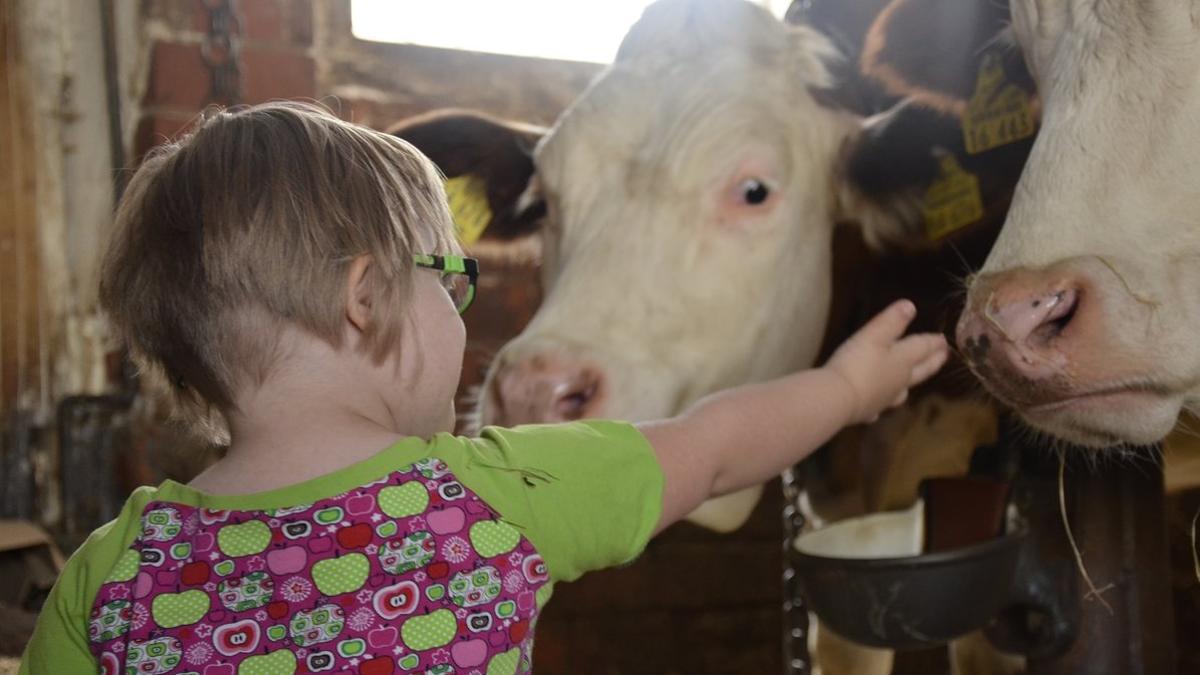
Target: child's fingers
924, 353
930, 365
917, 348
887, 326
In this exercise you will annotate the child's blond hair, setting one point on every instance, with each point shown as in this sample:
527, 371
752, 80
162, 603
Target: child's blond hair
252, 219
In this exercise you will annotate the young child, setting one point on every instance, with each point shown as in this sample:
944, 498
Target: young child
297, 275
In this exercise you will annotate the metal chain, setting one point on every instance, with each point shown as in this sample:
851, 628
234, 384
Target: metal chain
221, 51
795, 615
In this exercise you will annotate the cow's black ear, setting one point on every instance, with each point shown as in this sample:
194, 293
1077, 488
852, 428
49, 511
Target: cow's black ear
885, 171
495, 155
930, 51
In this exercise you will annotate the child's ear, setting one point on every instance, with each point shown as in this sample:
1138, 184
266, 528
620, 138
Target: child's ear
358, 292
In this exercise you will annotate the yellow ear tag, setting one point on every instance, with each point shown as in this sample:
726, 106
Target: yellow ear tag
998, 113
953, 200
469, 207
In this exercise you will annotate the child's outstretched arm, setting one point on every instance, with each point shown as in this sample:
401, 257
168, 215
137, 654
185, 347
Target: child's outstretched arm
744, 436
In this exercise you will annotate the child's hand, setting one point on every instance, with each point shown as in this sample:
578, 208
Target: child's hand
880, 367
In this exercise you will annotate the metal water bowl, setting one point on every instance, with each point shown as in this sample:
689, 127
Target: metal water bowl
867, 581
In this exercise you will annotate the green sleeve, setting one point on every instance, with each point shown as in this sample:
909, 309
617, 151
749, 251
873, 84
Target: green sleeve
588, 495
60, 638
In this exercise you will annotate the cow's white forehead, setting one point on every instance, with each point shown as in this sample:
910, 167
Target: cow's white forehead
706, 87
670, 127
670, 29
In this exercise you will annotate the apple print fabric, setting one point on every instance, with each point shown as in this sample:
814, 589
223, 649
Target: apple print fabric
411, 573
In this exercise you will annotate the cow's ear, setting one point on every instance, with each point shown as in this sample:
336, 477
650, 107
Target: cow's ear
930, 51
495, 155
885, 169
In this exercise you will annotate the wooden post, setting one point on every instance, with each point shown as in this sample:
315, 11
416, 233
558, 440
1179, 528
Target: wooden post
1118, 517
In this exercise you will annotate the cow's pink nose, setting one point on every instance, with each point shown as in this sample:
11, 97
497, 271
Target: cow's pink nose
542, 388
1013, 321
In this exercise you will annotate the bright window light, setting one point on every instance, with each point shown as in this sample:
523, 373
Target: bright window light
569, 30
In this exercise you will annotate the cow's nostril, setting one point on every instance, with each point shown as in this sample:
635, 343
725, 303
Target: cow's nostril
571, 406
543, 389
575, 403
1061, 309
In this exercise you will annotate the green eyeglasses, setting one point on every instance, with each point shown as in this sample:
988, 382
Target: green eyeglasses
459, 275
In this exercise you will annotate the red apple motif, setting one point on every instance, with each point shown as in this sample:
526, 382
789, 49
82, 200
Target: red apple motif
320, 544
213, 516
497, 639
109, 664
219, 669
194, 574
165, 578
447, 521
534, 569
438, 570
287, 560
360, 504
469, 653
355, 536
240, 637
396, 600
277, 610
382, 665
518, 631
382, 638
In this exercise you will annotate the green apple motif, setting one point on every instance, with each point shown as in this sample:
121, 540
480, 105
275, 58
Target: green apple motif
154, 656
494, 537
319, 625
110, 621
250, 592
335, 576
126, 567
161, 525
171, 610
409, 662
280, 662
402, 501
352, 648
329, 516
429, 632
387, 529
245, 539
504, 664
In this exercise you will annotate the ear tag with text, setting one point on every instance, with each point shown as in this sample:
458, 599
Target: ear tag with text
953, 200
469, 207
998, 113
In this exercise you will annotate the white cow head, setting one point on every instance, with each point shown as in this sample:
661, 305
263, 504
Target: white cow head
690, 196
1085, 316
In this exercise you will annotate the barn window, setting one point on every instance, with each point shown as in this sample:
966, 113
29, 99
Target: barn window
576, 30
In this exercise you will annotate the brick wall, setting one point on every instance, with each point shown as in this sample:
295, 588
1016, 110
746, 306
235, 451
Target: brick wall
276, 61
